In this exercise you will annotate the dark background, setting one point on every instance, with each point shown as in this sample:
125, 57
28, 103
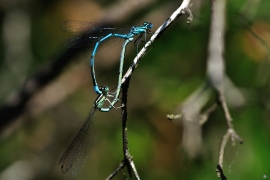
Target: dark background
31, 39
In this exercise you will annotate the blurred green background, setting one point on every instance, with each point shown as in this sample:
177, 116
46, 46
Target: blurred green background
30, 36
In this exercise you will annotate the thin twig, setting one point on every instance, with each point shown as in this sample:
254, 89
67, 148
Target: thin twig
121, 166
220, 171
190, 120
223, 104
127, 157
230, 133
204, 116
216, 74
194, 104
127, 161
156, 35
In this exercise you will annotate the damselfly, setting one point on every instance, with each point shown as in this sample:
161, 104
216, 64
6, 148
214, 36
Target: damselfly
76, 154
94, 34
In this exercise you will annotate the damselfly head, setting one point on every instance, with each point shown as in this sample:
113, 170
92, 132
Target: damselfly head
104, 89
148, 25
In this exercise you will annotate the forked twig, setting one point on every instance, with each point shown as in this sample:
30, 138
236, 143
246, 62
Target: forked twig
216, 74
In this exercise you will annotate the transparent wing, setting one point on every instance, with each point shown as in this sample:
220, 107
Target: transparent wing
81, 41
90, 41
91, 28
76, 155
105, 46
76, 26
90, 33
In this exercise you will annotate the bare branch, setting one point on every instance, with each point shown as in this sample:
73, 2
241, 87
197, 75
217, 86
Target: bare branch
191, 119
127, 161
220, 172
216, 73
230, 133
121, 166
156, 35
204, 116
215, 61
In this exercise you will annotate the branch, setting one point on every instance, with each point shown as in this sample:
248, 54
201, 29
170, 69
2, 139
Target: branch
180, 11
125, 84
127, 161
230, 133
204, 116
192, 120
216, 74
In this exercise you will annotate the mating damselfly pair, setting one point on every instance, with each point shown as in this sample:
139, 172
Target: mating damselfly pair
93, 35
